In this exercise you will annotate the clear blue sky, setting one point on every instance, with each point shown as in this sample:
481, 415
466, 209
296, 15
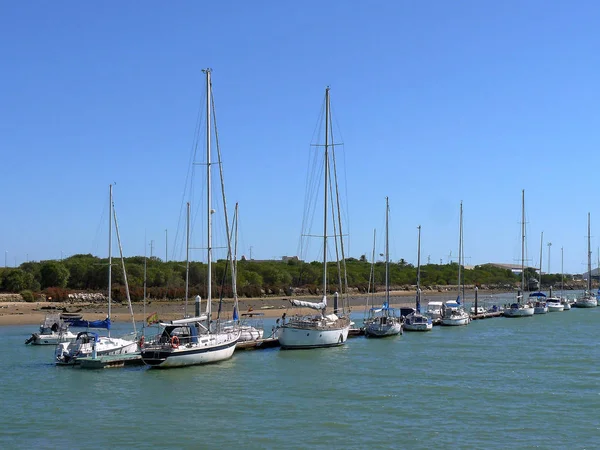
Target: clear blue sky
436, 102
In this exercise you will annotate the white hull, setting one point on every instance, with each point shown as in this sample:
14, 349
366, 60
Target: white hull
292, 336
418, 326
249, 333
209, 349
540, 310
586, 303
556, 308
51, 339
67, 353
376, 329
455, 321
525, 311
567, 305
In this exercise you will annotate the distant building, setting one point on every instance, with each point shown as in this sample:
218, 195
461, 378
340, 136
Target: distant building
514, 268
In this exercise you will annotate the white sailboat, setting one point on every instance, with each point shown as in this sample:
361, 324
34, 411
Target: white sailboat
321, 329
384, 321
538, 298
52, 331
520, 308
198, 340
588, 299
416, 321
453, 313
88, 343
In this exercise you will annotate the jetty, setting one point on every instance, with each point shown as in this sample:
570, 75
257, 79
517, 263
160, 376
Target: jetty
110, 361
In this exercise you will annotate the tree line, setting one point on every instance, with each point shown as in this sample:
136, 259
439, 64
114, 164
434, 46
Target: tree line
87, 273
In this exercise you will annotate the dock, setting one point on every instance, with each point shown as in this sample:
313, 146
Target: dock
487, 315
111, 361
257, 344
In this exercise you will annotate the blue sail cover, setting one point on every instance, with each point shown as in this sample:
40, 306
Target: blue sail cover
91, 323
235, 314
458, 299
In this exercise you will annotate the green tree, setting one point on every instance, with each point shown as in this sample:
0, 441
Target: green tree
53, 274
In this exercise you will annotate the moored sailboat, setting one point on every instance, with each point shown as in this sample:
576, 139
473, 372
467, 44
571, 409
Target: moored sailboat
200, 339
416, 321
520, 308
384, 321
588, 299
321, 329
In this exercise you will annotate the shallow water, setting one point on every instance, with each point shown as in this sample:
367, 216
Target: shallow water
496, 383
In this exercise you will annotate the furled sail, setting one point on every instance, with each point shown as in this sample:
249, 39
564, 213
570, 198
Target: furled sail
302, 304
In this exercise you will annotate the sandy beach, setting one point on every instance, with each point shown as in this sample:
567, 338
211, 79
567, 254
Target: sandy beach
22, 313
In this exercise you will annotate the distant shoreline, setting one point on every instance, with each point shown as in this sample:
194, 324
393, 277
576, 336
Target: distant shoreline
33, 313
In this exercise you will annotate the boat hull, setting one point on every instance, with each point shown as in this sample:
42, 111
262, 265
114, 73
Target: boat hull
540, 310
51, 339
586, 303
455, 322
291, 337
68, 353
519, 312
208, 350
379, 330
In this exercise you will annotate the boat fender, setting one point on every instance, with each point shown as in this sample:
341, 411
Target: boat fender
175, 342
141, 342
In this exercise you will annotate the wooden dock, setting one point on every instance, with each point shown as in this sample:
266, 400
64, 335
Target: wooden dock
487, 315
110, 361
257, 344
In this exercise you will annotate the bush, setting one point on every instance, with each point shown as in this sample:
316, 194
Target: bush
27, 296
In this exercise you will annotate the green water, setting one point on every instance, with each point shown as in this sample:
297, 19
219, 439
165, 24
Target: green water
497, 383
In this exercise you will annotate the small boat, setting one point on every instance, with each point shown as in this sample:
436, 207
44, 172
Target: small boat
554, 304
52, 331
453, 314
415, 321
539, 299
384, 321
434, 310
251, 326
480, 310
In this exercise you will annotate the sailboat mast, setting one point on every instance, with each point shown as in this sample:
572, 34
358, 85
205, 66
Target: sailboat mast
541, 253
419, 269
372, 275
387, 254
208, 199
562, 272
325, 190
124, 271
187, 257
109, 252
589, 278
460, 249
523, 242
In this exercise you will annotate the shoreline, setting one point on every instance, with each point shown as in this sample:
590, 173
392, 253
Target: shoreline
33, 313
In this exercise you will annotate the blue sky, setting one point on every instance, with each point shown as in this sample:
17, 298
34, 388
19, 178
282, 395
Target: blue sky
435, 102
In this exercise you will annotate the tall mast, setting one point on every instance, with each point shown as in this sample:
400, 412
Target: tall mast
187, 257
208, 198
523, 242
387, 254
562, 272
460, 250
372, 274
109, 252
325, 190
589, 278
124, 271
419, 269
541, 252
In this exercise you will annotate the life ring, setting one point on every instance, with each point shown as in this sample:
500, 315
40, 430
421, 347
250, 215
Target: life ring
175, 342
141, 342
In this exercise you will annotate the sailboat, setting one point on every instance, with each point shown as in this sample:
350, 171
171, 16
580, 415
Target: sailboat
89, 343
384, 321
415, 321
201, 339
539, 298
520, 308
588, 299
453, 313
320, 329
563, 300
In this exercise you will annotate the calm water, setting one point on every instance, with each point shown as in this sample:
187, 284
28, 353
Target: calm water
497, 383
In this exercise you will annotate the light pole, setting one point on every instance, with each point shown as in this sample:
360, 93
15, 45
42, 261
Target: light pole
549, 245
